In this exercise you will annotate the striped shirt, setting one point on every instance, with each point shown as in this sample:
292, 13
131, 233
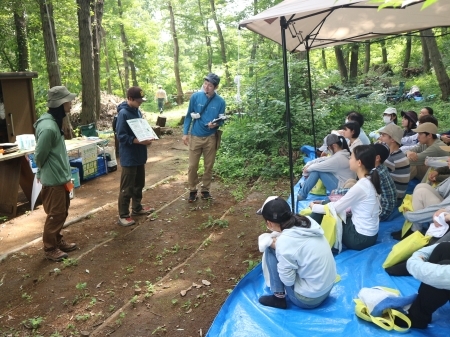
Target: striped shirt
398, 166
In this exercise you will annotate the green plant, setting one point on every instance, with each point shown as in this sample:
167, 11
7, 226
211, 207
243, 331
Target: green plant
134, 300
215, 222
111, 308
3, 218
56, 334
129, 269
150, 289
186, 304
120, 319
251, 264
83, 317
175, 248
69, 262
174, 301
27, 297
33, 323
81, 286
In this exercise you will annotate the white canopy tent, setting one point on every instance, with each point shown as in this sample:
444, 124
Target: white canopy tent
302, 25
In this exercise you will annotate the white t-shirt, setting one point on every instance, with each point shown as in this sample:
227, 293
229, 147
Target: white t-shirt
363, 200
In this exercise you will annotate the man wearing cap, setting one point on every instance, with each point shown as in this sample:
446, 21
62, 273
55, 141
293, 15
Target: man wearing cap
334, 171
397, 163
389, 117
161, 98
54, 172
204, 107
429, 146
133, 156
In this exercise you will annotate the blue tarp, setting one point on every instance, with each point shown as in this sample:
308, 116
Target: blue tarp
242, 315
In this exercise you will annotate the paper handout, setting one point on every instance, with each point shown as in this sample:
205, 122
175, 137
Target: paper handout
141, 129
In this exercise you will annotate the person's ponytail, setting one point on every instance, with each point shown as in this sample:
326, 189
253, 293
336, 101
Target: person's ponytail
343, 143
375, 179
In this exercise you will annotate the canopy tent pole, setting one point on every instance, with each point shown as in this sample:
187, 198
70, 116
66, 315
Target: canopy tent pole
311, 103
283, 25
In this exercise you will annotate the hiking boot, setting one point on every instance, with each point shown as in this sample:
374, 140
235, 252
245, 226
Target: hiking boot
55, 255
125, 222
206, 196
193, 196
144, 211
66, 247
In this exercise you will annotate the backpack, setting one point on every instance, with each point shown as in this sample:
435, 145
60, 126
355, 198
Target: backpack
114, 123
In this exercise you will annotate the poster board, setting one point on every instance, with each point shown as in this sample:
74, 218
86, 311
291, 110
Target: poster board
89, 160
141, 129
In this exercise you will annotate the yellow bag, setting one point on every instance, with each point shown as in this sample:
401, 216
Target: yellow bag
406, 206
319, 188
386, 321
405, 248
329, 226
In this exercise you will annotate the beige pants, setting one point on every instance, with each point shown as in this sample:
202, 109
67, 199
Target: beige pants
423, 196
418, 172
199, 146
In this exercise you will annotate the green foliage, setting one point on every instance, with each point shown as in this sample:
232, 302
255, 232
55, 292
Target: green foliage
215, 222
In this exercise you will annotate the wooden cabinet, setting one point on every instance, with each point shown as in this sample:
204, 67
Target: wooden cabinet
16, 93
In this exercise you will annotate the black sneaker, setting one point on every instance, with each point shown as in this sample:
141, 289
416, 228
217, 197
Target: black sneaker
193, 197
206, 196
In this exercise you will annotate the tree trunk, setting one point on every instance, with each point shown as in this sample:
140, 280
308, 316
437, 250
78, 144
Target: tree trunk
207, 36
223, 52
341, 63
50, 43
97, 9
383, 51
324, 60
87, 114
367, 56
176, 54
407, 52
426, 63
125, 48
107, 67
22, 43
51, 55
438, 65
354, 62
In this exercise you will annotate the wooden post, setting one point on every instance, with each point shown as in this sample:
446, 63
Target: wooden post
157, 130
161, 121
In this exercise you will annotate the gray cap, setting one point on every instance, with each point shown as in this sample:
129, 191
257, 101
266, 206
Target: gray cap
329, 140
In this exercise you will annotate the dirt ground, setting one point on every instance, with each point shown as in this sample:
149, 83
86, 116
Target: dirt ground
166, 276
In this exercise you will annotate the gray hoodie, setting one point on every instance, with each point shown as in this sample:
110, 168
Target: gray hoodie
338, 164
305, 260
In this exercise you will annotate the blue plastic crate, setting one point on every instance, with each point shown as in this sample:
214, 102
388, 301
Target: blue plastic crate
101, 168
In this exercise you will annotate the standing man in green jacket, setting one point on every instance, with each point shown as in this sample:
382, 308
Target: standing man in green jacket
54, 172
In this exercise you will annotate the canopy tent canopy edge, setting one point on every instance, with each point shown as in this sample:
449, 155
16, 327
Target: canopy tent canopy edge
324, 23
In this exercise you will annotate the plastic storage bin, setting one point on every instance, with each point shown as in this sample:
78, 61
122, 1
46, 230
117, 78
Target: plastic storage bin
75, 176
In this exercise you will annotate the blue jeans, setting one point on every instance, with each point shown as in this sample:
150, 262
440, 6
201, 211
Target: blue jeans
329, 180
277, 286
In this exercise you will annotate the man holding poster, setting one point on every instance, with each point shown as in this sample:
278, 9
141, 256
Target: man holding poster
133, 156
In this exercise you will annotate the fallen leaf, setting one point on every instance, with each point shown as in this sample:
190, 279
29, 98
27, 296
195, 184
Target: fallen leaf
183, 293
182, 271
189, 311
125, 285
206, 283
98, 285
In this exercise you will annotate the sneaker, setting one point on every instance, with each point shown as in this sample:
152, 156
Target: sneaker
193, 196
125, 222
206, 196
144, 211
66, 247
55, 255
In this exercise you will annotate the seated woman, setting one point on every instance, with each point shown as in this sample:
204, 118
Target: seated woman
334, 171
431, 266
360, 229
299, 260
351, 132
389, 116
409, 122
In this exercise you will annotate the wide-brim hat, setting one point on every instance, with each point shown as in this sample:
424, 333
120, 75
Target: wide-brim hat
394, 131
411, 115
59, 95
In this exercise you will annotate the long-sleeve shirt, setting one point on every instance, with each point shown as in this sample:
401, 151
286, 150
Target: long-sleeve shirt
362, 198
435, 275
388, 192
398, 165
338, 164
214, 108
424, 151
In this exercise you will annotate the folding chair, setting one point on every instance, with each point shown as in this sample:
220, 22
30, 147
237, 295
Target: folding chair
395, 94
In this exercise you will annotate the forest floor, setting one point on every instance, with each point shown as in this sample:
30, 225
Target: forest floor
166, 276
